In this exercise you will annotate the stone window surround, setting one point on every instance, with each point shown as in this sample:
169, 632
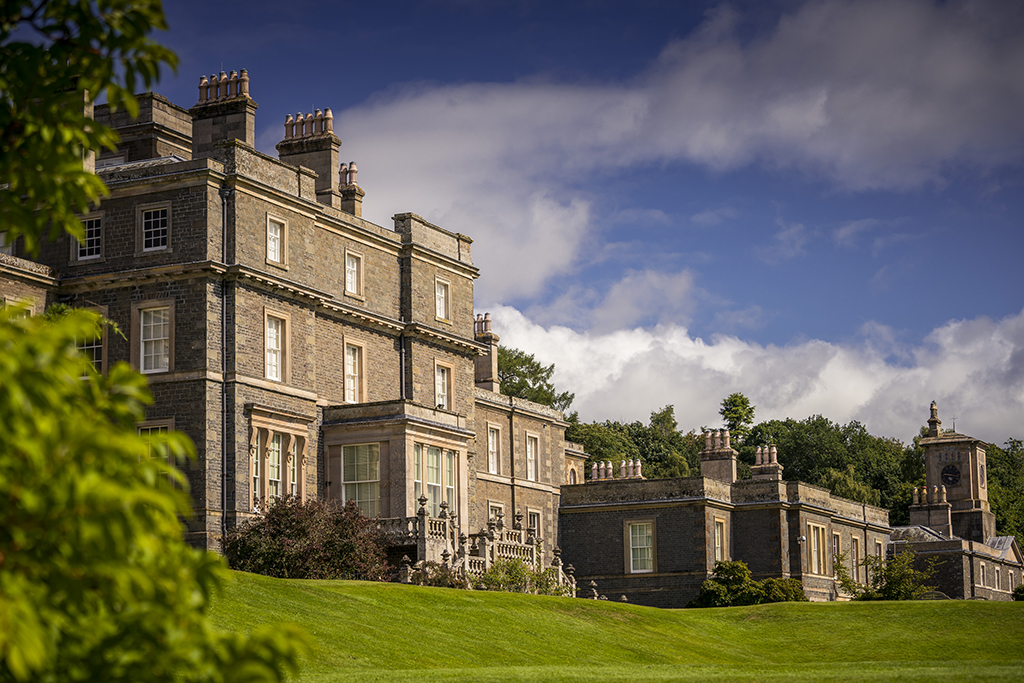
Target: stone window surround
363, 388
165, 423
540, 519
136, 330
491, 504
449, 389
293, 430
283, 247
721, 538
527, 435
344, 482
492, 426
76, 246
628, 547
140, 209
855, 558
447, 317
837, 546
286, 343
822, 555
358, 293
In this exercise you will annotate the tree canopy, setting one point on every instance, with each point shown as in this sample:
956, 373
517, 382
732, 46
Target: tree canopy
523, 376
56, 56
738, 415
96, 581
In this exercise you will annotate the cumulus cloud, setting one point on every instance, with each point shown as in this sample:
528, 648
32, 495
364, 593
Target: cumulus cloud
973, 368
865, 95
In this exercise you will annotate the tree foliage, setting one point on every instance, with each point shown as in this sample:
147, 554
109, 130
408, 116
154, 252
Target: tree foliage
56, 55
523, 376
663, 449
311, 540
846, 459
888, 579
96, 581
1006, 487
738, 415
732, 585
514, 575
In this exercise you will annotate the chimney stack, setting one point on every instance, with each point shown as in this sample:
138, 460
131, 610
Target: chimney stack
351, 194
309, 141
224, 112
486, 364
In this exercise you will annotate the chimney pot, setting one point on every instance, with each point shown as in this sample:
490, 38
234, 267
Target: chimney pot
352, 170
233, 83
243, 82
328, 121
204, 89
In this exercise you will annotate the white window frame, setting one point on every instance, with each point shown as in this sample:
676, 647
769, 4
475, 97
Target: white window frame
275, 463
493, 449
442, 300
141, 218
532, 455
279, 371
77, 247
355, 487
138, 348
855, 558
640, 562
148, 428
281, 259
445, 487
353, 274
982, 574
837, 548
443, 385
355, 378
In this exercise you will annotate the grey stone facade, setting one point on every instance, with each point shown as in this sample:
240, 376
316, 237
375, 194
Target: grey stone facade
281, 331
779, 529
951, 522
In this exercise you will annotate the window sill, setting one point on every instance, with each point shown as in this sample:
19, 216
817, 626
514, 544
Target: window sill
154, 252
277, 264
353, 295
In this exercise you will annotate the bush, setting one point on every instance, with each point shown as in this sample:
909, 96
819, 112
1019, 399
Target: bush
312, 540
892, 579
1018, 593
437, 575
732, 586
516, 576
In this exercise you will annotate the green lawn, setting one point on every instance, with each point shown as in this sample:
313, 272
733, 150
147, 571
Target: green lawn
388, 632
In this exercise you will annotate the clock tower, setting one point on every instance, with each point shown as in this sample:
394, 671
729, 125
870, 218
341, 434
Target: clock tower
955, 476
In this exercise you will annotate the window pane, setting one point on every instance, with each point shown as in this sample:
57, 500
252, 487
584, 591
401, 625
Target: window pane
274, 467
275, 332
353, 373
441, 299
91, 247
442, 387
352, 273
433, 480
154, 229
155, 335
492, 451
361, 473
640, 544
274, 230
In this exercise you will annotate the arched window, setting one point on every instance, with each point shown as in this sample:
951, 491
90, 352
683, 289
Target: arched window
572, 476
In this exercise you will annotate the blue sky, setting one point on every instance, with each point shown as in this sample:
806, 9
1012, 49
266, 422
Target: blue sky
818, 204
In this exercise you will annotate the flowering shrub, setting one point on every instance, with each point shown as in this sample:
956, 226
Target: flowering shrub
312, 540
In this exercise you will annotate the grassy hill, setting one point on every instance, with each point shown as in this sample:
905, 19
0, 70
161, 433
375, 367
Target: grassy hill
388, 632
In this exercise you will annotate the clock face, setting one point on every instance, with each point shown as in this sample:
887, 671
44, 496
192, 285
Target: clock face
950, 475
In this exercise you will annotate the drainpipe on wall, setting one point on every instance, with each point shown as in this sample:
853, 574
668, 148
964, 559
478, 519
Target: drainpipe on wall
512, 451
401, 365
225, 193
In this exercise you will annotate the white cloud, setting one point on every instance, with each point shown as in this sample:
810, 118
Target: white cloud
867, 94
846, 235
973, 368
711, 217
789, 243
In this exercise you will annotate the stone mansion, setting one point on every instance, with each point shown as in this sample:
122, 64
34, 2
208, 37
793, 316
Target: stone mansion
309, 352
303, 349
